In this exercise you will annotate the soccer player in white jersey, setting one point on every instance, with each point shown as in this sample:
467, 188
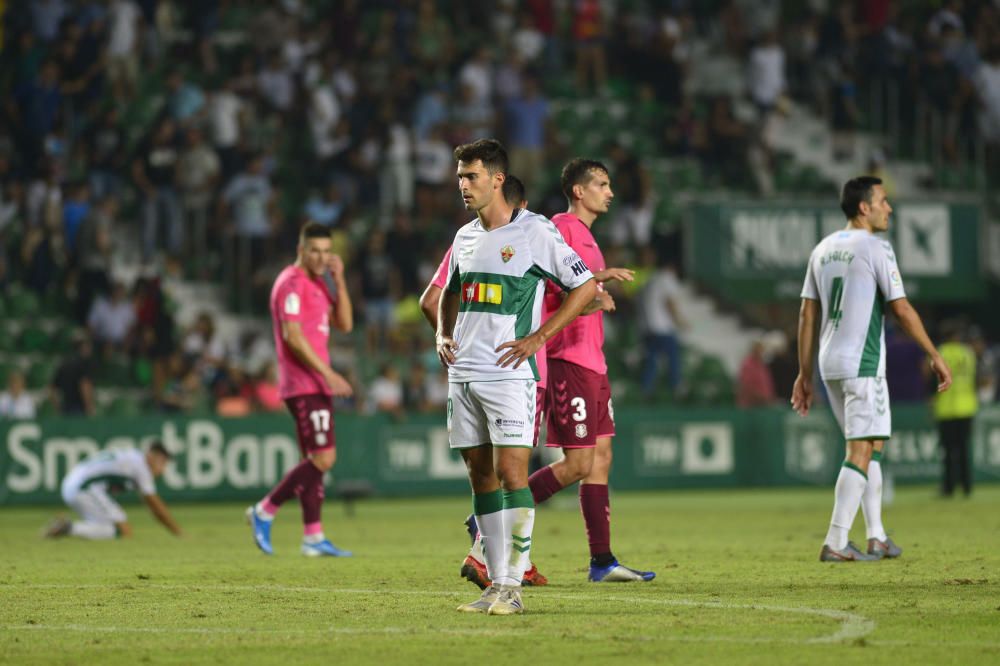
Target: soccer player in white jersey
851, 277
89, 486
489, 328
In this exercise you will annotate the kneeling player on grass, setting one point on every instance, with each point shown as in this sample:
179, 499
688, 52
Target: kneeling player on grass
89, 486
474, 566
851, 275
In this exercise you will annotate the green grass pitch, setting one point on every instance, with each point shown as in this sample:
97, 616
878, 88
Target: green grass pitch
738, 583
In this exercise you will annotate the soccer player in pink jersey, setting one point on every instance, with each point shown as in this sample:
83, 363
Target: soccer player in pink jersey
580, 413
474, 566
306, 299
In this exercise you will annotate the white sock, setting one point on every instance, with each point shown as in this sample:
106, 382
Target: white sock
91, 530
847, 497
871, 502
491, 537
519, 523
313, 538
477, 549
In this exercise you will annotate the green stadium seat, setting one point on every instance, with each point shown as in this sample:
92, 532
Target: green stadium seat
33, 338
39, 374
125, 405
23, 304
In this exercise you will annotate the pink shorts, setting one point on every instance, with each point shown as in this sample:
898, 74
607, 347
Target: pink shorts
313, 414
579, 405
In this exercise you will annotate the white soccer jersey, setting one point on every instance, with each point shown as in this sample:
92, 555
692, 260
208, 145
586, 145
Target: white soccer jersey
500, 278
111, 469
853, 274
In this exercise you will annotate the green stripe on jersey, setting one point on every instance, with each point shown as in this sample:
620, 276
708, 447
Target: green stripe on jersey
872, 351
111, 479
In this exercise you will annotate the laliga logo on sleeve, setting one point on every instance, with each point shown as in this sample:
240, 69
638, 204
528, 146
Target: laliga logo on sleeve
292, 304
894, 276
506, 252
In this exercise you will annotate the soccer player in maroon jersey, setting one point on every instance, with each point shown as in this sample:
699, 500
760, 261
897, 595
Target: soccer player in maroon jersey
307, 298
580, 413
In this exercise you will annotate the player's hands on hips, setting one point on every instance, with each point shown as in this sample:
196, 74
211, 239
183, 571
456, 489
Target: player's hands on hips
518, 351
802, 395
942, 371
336, 266
446, 348
340, 386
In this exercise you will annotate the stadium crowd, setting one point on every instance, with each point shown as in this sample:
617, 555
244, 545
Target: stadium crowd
193, 137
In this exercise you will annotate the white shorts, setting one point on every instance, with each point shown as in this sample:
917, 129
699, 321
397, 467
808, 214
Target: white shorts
501, 413
861, 407
94, 505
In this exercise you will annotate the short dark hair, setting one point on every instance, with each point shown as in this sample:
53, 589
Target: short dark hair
313, 230
855, 191
578, 172
513, 190
158, 448
488, 151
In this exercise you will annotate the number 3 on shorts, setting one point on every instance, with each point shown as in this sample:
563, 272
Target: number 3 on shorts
581, 409
320, 419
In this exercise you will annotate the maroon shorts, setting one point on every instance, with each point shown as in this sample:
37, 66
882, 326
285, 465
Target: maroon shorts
313, 414
539, 411
579, 404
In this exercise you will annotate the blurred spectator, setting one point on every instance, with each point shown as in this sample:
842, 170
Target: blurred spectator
34, 108
15, 401
434, 170
249, 201
660, 321
185, 100
379, 289
231, 401
430, 111
154, 171
633, 204
987, 366
987, 87
125, 21
386, 392
784, 366
589, 35
755, 386
112, 318
265, 388
198, 172
528, 42
473, 117
526, 119
106, 149
397, 174
327, 209
476, 75
75, 211
93, 254
275, 83
204, 350
906, 370
954, 410
72, 388
181, 391
226, 116
415, 390
46, 15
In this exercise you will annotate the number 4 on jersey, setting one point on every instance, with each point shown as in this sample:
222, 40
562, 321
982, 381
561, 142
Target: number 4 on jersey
836, 293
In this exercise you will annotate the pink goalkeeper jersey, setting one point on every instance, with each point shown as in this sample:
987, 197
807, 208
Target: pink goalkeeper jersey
582, 341
439, 281
297, 297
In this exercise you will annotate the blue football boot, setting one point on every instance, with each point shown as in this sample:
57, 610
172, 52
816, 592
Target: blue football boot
617, 573
261, 531
323, 549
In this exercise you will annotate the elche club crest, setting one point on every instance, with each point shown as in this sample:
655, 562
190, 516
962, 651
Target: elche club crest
506, 252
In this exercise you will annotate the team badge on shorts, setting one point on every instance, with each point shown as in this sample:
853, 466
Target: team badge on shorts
506, 252
581, 430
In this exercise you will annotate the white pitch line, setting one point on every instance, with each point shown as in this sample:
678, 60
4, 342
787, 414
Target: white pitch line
852, 625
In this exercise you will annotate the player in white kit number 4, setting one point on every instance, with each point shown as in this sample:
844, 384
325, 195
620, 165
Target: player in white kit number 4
852, 276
